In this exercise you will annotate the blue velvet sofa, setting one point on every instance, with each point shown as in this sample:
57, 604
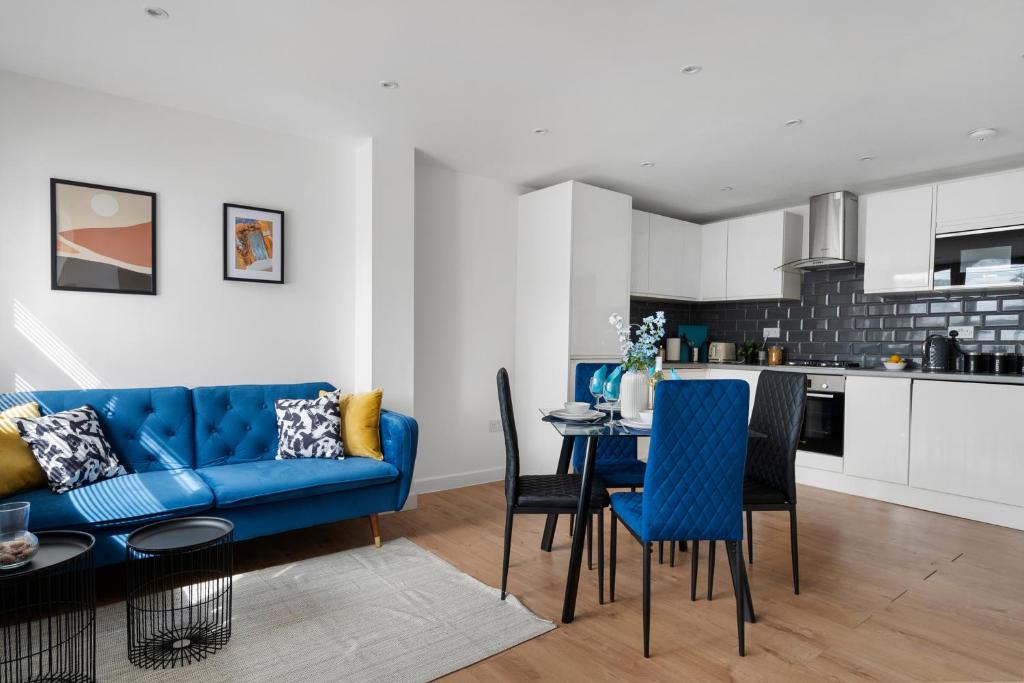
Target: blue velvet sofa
210, 450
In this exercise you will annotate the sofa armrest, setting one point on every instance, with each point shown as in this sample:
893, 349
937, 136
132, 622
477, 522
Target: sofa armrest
399, 435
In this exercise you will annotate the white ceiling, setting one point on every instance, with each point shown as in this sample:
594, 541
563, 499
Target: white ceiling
904, 80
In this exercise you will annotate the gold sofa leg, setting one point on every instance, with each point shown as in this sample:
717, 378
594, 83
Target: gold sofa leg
375, 529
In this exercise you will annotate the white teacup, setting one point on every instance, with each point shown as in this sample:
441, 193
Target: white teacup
576, 407
646, 416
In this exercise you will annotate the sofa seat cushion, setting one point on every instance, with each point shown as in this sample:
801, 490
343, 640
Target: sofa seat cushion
128, 500
266, 481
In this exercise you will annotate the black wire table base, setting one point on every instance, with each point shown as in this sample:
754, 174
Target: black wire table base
179, 598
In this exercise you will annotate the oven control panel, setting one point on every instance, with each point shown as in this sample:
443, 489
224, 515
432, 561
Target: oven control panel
833, 384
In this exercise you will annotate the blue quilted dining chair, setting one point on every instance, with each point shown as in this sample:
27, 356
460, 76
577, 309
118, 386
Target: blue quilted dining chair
693, 486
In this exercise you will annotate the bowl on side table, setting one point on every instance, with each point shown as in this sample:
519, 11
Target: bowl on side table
18, 545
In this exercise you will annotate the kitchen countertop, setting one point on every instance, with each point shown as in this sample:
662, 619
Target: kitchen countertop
858, 372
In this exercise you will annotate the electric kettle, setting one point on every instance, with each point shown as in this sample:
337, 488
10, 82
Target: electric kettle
941, 352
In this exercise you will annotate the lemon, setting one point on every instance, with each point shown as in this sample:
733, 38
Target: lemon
895, 358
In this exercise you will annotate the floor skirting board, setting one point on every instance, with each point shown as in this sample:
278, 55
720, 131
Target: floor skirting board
934, 501
456, 481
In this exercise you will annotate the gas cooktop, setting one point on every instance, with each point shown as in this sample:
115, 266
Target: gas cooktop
822, 363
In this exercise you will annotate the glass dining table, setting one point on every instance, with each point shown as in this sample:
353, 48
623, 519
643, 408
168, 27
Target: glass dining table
592, 432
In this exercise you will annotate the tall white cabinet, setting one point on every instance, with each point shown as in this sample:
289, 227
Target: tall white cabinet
572, 273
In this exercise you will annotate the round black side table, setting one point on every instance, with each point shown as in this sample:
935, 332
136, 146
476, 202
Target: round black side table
48, 612
179, 591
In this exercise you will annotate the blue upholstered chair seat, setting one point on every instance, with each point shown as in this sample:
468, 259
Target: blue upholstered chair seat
630, 509
128, 500
266, 481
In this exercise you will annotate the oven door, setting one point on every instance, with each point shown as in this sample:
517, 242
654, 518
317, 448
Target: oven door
980, 259
823, 423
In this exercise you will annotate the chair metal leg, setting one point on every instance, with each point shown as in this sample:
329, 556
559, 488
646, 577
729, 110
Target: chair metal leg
682, 546
572, 524
793, 550
590, 543
507, 550
736, 565
612, 552
661, 552
744, 582
750, 536
693, 570
672, 555
711, 567
647, 599
600, 557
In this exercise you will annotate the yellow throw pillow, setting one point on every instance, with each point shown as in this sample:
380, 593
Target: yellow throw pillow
360, 423
19, 471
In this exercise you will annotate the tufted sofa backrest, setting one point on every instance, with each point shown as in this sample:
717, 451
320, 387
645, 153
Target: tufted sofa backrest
238, 423
149, 429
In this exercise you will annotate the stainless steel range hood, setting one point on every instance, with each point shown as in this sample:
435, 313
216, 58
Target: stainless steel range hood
832, 237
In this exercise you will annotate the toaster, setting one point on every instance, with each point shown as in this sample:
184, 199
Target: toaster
721, 352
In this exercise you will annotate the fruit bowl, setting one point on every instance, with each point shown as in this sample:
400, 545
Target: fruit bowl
889, 365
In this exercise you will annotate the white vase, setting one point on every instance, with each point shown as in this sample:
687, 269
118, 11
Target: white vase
633, 394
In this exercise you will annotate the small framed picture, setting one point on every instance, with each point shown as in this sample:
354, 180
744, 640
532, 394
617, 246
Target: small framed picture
102, 238
253, 244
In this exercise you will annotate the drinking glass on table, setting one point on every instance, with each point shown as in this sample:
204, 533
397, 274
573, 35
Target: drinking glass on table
611, 395
597, 388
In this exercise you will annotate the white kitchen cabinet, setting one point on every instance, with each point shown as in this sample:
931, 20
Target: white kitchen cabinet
965, 440
674, 258
876, 442
758, 245
897, 240
666, 259
748, 376
640, 269
980, 202
714, 250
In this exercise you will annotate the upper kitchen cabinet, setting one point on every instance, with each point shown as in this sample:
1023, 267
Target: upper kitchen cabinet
666, 261
986, 201
640, 267
714, 250
757, 246
897, 240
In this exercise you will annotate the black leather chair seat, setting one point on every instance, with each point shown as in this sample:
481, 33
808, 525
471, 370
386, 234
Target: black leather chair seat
557, 491
757, 493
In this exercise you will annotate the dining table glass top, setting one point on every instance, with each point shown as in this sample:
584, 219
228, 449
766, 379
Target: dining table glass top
611, 428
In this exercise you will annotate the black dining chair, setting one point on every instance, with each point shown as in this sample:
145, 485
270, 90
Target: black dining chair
542, 494
769, 483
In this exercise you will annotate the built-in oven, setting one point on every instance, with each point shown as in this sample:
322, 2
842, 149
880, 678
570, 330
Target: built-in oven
980, 259
823, 420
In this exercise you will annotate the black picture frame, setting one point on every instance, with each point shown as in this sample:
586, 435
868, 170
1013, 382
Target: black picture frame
55, 283
229, 244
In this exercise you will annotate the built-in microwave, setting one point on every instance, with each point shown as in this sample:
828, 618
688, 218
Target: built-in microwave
979, 259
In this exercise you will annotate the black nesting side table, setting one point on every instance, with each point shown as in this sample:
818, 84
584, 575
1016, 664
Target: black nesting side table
179, 591
48, 612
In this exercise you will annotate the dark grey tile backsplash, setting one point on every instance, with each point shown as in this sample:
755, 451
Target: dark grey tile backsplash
835, 320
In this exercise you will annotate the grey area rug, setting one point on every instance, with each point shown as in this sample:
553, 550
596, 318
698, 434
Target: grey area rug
397, 613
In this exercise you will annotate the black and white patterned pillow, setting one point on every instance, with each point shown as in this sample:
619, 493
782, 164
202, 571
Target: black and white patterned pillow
309, 428
71, 448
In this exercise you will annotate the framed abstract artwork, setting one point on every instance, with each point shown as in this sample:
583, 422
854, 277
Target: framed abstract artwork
102, 238
253, 244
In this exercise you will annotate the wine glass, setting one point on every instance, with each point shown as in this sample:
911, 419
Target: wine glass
597, 388
611, 394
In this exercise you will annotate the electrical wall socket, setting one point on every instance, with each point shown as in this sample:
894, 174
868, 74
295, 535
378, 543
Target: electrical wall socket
964, 332
494, 425
772, 332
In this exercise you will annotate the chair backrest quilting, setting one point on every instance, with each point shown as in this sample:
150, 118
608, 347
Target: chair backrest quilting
779, 406
508, 426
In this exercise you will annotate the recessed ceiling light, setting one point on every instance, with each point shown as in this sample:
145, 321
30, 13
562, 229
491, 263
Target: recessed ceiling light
647, 164
726, 188
692, 69
867, 157
982, 134
541, 131
157, 13
793, 123
388, 85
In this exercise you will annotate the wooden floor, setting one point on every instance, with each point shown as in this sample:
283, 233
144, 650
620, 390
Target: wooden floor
887, 594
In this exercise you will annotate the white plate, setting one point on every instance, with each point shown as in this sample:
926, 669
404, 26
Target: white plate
607, 407
634, 424
561, 414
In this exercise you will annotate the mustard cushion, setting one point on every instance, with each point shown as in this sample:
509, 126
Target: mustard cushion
360, 423
19, 470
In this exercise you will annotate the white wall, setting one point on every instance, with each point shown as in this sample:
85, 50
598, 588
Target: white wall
199, 329
464, 330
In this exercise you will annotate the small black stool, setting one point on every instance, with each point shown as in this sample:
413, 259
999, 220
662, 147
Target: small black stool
48, 612
179, 591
